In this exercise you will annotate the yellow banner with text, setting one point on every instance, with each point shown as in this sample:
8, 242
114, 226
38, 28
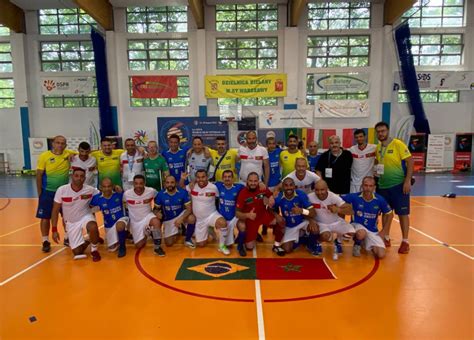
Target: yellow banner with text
247, 86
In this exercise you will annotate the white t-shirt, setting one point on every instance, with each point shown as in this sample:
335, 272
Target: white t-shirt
362, 162
323, 214
139, 206
90, 165
305, 184
131, 165
75, 205
203, 200
251, 161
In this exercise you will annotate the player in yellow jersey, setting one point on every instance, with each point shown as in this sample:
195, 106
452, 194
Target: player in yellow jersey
51, 173
108, 161
288, 157
223, 159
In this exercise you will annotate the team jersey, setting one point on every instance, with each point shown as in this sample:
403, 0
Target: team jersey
203, 200
74, 204
176, 162
285, 204
391, 157
112, 208
228, 199
131, 165
89, 165
251, 160
275, 169
323, 214
307, 183
197, 162
312, 161
366, 212
108, 165
228, 163
362, 162
172, 204
288, 160
248, 200
154, 169
139, 206
56, 169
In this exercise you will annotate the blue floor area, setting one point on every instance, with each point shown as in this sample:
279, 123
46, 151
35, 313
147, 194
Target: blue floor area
426, 185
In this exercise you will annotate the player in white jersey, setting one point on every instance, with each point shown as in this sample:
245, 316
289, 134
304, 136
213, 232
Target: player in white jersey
363, 157
84, 161
203, 199
131, 164
74, 199
253, 158
139, 202
328, 205
304, 179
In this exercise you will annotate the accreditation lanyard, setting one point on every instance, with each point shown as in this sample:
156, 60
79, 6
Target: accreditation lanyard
383, 151
330, 164
131, 161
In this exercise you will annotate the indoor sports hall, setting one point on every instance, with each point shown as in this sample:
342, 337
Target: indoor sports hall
131, 72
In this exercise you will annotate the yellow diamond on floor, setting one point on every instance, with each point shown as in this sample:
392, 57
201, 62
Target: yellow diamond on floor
218, 268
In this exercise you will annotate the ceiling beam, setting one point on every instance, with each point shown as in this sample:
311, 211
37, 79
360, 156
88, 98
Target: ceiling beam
197, 8
296, 8
12, 16
100, 10
394, 9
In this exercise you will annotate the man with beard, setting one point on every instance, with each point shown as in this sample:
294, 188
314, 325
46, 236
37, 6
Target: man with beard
363, 157
223, 159
131, 163
108, 161
84, 161
289, 156
253, 158
175, 157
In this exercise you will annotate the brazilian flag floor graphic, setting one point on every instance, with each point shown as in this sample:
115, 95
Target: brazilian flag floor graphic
251, 269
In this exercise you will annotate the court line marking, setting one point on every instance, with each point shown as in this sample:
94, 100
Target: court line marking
440, 242
445, 211
259, 305
16, 230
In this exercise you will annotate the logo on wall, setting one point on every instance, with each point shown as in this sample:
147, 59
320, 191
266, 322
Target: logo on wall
174, 127
49, 85
140, 137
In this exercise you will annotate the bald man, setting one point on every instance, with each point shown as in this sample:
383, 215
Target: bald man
334, 167
253, 158
52, 172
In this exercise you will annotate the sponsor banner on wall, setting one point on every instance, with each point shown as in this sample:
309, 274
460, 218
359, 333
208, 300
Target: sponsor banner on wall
435, 152
341, 108
417, 147
154, 86
186, 128
341, 82
246, 86
276, 119
76, 86
439, 80
463, 152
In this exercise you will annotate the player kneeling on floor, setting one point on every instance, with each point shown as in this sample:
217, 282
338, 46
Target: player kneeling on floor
173, 207
297, 215
74, 199
366, 206
142, 219
115, 221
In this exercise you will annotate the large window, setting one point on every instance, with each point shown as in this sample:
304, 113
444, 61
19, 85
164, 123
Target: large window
338, 51
7, 93
338, 15
57, 56
65, 21
436, 13
52, 101
432, 96
163, 54
6, 57
312, 97
247, 53
183, 98
4, 30
259, 101
247, 17
157, 19
437, 49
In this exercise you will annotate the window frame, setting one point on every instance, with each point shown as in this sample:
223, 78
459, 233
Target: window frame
82, 19
327, 7
60, 59
417, 56
416, 13
7, 53
402, 96
150, 11
238, 9
5, 99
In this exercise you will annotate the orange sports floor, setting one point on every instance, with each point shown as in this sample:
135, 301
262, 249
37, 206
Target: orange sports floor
427, 294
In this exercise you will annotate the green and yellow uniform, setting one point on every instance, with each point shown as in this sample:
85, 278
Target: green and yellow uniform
287, 161
108, 165
56, 169
391, 157
154, 169
228, 163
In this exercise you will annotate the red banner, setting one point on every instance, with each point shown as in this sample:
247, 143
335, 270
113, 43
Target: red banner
154, 86
417, 147
463, 152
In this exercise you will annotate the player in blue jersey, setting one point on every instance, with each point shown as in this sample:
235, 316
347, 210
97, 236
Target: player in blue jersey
175, 157
367, 206
173, 208
298, 213
275, 170
115, 219
228, 192
313, 156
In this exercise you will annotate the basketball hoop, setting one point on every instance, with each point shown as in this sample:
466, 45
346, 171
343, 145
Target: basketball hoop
230, 113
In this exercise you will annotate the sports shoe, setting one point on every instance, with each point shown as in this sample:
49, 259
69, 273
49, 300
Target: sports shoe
387, 243
404, 248
190, 244
313, 251
278, 250
66, 242
318, 248
46, 247
159, 251
259, 238
338, 246
224, 250
335, 254
95, 256
80, 257
356, 250
114, 248
122, 251
242, 251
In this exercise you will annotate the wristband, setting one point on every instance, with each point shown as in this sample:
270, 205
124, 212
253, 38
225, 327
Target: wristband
54, 229
305, 212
